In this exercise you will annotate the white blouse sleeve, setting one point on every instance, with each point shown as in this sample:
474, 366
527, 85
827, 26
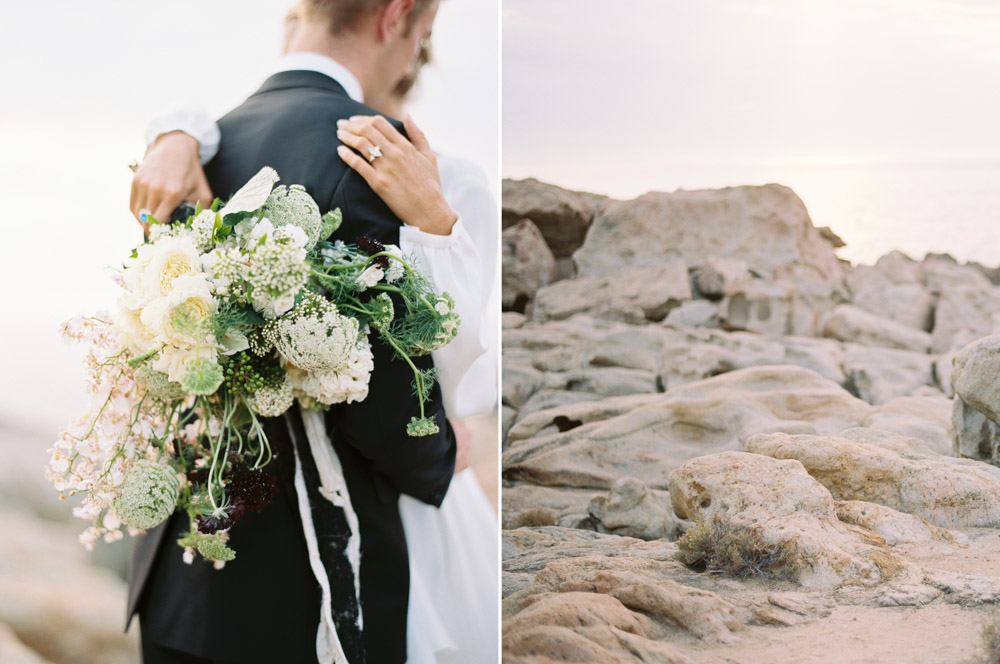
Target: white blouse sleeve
452, 262
196, 124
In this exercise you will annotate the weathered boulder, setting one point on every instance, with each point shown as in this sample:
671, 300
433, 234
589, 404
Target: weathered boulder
519, 383
57, 603
720, 276
849, 323
974, 376
687, 421
632, 509
879, 375
635, 294
925, 417
945, 491
12, 651
583, 627
907, 304
603, 381
694, 313
942, 273
788, 509
965, 313
528, 264
766, 226
561, 215
975, 435
529, 550
892, 526
529, 505
572, 415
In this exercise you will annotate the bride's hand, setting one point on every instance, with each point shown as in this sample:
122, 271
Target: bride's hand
405, 175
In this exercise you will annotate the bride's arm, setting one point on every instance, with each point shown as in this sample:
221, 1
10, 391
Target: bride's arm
406, 176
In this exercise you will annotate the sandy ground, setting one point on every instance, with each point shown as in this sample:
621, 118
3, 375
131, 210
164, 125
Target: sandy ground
937, 633
933, 634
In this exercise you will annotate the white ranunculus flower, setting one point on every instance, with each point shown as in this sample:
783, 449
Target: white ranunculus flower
175, 318
294, 233
371, 276
172, 257
208, 261
233, 341
263, 227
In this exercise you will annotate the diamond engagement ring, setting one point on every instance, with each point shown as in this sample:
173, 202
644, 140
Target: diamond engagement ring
374, 151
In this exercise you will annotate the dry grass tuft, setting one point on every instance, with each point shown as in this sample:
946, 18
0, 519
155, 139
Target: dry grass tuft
538, 516
721, 548
990, 653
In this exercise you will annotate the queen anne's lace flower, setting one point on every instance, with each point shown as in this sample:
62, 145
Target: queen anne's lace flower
147, 496
272, 401
319, 338
293, 206
213, 548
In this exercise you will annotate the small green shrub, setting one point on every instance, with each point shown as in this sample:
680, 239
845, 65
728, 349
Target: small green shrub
721, 548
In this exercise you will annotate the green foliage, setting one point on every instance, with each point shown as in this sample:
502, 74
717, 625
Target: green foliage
236, 217
331, 223
720, 547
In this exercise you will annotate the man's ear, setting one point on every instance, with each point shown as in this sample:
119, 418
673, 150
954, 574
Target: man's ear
393, 18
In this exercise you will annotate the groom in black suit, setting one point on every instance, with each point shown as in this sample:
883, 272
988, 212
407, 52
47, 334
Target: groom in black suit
264, 606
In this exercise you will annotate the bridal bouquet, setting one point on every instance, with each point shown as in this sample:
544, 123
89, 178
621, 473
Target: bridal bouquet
224, 319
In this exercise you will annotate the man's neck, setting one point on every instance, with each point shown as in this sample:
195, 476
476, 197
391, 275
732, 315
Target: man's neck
347, 49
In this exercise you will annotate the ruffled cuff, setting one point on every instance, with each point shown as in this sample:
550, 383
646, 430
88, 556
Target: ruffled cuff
413, 236
196, 124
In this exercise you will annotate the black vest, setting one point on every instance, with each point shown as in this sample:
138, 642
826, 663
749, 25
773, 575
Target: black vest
264, 606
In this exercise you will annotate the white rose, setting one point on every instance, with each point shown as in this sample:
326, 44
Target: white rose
171, 258
175, 318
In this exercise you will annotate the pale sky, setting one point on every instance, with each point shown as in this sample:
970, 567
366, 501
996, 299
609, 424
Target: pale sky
638, 95
78, 83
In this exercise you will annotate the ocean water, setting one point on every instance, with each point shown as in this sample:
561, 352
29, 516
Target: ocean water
944, 207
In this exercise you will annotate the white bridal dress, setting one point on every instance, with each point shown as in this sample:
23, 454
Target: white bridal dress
453, 610
454, 549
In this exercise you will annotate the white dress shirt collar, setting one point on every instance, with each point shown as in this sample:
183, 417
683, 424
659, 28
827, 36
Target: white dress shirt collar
324, 65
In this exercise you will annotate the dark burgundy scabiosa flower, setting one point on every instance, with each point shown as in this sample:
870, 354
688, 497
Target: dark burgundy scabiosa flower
371, 246
222, 519
255, 489
197, 475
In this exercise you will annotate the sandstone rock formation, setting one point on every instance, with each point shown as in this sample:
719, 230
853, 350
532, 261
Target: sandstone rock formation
711, 347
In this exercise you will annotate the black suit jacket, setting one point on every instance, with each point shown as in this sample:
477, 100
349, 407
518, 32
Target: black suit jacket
264, 606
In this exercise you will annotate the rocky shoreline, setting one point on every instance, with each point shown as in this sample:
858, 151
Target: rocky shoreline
704, 357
